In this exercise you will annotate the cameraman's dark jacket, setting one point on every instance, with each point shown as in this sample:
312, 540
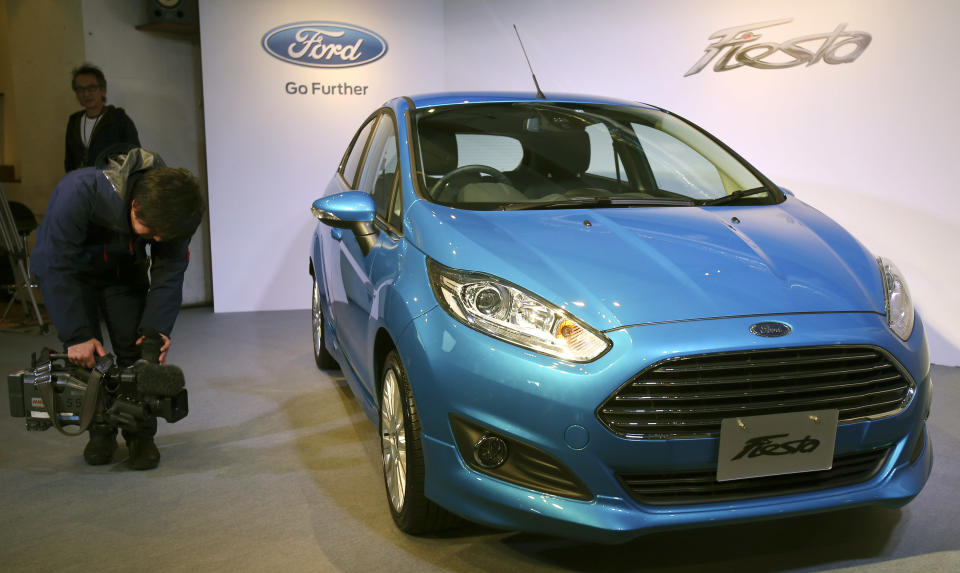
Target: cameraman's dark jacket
85, 241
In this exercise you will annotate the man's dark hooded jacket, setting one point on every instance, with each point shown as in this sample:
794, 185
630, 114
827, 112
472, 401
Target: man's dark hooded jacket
85, 241
114, 127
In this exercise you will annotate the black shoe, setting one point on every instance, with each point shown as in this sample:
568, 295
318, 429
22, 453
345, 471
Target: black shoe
144, 454
101, 447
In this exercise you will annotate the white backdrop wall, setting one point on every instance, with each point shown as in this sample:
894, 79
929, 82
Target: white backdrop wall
156, 79
271, 153
870, 142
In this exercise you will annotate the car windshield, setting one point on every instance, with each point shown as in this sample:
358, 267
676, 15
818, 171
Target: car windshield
539, 155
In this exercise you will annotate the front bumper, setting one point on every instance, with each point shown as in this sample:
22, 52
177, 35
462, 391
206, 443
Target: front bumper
549, 405
618, 519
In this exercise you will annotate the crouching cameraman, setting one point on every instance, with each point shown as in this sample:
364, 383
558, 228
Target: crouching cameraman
91, 263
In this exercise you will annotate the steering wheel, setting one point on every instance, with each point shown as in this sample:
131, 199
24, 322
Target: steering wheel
467, 171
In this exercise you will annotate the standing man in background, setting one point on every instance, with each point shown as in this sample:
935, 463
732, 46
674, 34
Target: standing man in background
97, 126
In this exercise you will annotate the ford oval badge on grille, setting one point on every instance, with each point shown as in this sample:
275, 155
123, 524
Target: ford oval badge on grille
770, 329
324, 44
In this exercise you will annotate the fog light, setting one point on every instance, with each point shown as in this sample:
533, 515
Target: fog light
490, 451
513, 461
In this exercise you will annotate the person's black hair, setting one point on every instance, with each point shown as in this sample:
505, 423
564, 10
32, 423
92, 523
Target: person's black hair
168, 202
89, 69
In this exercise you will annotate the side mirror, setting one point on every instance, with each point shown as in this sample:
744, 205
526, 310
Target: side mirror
354, 210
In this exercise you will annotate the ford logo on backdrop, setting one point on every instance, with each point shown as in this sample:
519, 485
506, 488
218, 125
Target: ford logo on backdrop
770, 329
324, 44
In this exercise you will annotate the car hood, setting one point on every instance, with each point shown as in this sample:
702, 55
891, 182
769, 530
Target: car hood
615, 267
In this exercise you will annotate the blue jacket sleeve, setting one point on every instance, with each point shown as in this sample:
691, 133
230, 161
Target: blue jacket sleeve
168, 262
58, 251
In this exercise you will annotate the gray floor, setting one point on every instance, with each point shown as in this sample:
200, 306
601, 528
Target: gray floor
277, 469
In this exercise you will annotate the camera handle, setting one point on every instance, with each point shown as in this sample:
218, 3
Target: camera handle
44, 384
151, 345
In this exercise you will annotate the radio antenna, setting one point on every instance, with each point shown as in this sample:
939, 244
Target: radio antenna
539, 91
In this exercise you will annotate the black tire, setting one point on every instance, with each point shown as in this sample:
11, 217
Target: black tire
402, 454
321, 356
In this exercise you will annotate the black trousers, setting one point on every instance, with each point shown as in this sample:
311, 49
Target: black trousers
120, 305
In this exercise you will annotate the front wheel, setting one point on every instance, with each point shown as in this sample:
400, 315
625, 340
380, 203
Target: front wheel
321, 356
402, 452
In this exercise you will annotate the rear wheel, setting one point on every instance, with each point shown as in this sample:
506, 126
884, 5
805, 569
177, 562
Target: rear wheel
321, 356
402, 452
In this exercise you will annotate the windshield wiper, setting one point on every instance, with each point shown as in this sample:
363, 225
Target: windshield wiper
733, 196
587, 202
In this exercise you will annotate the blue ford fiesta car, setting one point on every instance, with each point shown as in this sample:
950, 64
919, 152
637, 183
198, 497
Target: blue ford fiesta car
590, 318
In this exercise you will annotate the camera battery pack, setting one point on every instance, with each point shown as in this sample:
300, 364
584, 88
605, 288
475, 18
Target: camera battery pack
15, 391
26, 402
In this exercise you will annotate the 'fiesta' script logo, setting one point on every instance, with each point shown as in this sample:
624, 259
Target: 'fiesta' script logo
324, 44
837, 47
766, 446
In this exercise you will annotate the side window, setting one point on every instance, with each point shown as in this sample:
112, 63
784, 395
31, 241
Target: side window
396, 214
380, 169
678, 167
356, 151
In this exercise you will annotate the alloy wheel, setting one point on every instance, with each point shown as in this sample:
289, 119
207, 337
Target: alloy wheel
393, 440
317, 321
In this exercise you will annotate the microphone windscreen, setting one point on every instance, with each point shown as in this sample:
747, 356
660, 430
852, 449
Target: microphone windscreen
157, 380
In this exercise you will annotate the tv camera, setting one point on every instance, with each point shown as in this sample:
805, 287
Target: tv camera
54, 392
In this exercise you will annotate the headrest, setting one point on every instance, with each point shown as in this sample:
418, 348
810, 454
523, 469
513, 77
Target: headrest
558, 155
438, 150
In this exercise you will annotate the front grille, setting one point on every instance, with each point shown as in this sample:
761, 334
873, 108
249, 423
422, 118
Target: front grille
687, 397
703, 487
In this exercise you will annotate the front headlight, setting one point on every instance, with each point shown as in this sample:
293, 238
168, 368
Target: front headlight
503, 310
899, 303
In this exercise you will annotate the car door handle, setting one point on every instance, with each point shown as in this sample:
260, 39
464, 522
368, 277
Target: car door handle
337, 234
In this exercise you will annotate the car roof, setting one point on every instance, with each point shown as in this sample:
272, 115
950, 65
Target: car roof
456, 98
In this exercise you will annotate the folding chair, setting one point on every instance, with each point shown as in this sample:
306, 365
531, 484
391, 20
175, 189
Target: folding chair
14, 243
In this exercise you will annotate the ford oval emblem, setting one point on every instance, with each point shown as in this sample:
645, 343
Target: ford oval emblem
324, 44
770, 329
